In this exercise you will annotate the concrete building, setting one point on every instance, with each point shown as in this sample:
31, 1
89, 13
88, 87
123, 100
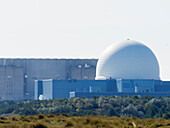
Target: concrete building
20, 74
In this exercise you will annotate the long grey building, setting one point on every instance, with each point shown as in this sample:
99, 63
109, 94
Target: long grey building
17, 76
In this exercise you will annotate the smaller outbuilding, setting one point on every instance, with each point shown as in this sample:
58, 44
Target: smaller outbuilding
51, 88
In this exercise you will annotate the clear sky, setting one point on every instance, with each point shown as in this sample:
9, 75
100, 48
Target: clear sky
83, 28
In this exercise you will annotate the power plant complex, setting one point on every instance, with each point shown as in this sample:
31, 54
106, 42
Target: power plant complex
125, 68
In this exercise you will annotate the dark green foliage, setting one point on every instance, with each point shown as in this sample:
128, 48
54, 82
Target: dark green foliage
166, 115
127, 106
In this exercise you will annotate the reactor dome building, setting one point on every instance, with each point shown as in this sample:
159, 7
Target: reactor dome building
127, 67
127, 59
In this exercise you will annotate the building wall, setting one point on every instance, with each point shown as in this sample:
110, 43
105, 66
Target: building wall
135, 85
90, 95
62, 88
166, 83
38, 89
162, 88
11, 83
112, 86
83, 73
144, 86
48, 89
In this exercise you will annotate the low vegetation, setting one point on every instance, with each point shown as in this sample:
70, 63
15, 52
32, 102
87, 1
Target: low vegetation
126, 106
63, 121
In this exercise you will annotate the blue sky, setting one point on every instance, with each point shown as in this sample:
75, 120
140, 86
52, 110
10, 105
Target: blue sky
83, 28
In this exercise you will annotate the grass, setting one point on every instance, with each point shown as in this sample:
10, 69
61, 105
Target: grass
64, 121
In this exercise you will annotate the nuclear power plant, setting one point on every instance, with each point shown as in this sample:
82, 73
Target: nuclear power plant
126, 68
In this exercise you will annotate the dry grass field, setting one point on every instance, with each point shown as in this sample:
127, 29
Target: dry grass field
63, 121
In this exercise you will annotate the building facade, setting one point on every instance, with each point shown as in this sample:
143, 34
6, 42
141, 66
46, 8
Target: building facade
20, 74
11, 83
51, 88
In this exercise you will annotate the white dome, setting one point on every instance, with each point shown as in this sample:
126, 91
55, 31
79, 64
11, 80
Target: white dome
128, 59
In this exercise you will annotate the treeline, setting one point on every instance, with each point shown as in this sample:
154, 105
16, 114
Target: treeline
126, 106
